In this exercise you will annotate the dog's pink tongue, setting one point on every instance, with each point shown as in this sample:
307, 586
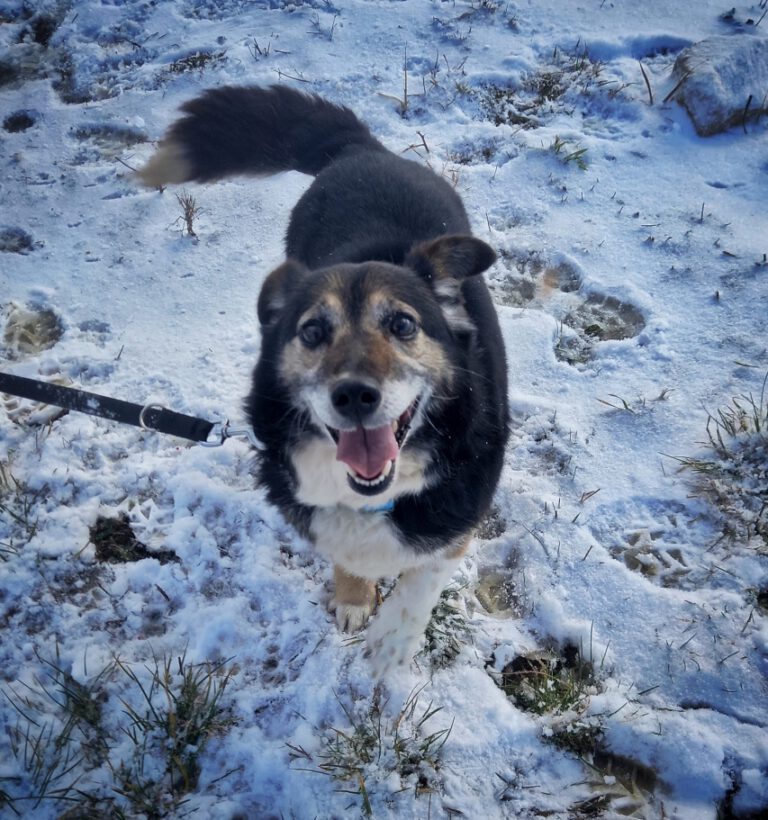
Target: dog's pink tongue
367, 451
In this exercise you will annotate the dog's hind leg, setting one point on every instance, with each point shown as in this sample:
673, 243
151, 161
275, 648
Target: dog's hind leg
354, 600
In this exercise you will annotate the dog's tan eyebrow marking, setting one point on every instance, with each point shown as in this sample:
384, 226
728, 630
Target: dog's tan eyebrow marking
383, 304
328, 305
334, 285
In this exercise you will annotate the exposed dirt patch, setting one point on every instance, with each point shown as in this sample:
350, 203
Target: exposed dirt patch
19, 121
116, 544
492, 526
41, 28
15, 240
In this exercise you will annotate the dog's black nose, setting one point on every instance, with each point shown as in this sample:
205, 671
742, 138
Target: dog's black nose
355, 400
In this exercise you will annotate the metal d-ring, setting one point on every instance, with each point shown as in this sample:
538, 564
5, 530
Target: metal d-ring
142, 423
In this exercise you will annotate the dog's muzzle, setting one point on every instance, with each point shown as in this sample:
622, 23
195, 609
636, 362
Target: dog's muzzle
370, 453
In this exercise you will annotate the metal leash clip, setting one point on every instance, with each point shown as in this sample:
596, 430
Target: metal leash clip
222, 430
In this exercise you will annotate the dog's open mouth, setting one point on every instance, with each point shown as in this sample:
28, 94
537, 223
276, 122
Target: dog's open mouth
371, 454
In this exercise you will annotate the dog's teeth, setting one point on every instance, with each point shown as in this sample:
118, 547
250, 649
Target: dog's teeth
372, 482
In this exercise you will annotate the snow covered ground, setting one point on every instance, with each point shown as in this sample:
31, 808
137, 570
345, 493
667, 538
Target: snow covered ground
612, 620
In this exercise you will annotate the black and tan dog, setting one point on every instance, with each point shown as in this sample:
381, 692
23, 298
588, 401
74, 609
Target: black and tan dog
380, 392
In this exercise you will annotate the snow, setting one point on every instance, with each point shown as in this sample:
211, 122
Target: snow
632, 295
720, 80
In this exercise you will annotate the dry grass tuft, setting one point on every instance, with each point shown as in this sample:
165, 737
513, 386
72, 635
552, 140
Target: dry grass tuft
733, 478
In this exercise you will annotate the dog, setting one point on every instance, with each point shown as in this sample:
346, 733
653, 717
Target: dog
380, 392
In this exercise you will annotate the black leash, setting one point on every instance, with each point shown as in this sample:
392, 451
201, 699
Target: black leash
152, 417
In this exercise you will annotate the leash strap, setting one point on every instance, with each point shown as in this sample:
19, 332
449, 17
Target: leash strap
153, 417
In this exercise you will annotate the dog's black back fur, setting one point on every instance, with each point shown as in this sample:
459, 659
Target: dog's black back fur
371, 204
365, 205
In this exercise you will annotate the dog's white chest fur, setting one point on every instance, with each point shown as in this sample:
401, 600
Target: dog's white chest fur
365, 544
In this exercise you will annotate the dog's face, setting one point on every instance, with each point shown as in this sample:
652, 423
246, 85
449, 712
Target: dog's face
365, 349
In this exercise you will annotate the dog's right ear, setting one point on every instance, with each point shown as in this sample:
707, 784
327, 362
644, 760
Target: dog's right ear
444, 263
277, 288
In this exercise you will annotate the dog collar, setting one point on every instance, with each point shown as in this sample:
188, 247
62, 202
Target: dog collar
388, 506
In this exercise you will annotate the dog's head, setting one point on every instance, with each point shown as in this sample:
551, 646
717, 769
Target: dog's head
365, 349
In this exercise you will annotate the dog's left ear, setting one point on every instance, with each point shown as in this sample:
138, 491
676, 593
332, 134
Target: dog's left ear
277, 290
444, 263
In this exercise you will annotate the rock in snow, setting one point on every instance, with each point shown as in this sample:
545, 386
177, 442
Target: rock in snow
723, 82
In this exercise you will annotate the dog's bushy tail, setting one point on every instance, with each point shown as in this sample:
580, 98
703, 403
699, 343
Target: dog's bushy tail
251, 130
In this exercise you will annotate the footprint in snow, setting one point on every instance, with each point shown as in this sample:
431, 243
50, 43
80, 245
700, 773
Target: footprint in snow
662, 541
27, 333
557, 287
30, 331
99, 141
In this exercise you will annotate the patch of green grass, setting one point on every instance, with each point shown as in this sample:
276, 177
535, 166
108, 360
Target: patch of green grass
567, 81
448, 630
557, 687
181, 710
733, 476
366, 755
502, 105
57, 737
543, 683
66, 753
18, 505
567, 153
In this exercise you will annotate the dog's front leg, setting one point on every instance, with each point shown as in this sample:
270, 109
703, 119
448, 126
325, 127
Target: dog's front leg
353, 601
394, 636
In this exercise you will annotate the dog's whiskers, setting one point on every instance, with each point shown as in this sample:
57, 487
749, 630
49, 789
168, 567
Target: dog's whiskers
474, 373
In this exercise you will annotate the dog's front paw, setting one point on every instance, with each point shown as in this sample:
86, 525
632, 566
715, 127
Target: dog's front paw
353, 601
392, 641
351, 617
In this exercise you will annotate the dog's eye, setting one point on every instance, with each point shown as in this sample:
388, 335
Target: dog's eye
313, 333
403, 326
